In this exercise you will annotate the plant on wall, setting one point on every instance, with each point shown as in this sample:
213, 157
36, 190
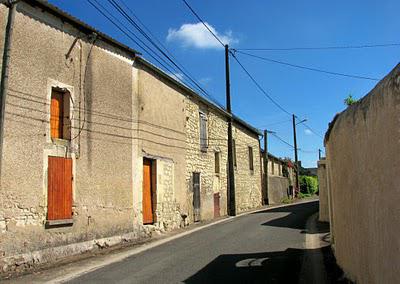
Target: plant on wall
350, 100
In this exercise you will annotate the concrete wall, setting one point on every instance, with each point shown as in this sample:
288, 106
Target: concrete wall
363, 179
161, 129
100, 81
323, 192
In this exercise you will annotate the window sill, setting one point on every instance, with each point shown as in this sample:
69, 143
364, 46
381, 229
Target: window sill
59, 141
61, 222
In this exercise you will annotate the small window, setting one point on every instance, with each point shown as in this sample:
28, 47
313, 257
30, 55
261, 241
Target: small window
203, 132
60, 125
234, 153
216, 159
251, 162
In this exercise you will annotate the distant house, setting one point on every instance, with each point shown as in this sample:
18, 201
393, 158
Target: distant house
280, 179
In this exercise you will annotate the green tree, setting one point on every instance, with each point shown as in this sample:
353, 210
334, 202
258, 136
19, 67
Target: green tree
350, 100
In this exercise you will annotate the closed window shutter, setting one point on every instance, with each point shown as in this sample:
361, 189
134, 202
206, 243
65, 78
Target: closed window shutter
56, 115
203, 132
251, 163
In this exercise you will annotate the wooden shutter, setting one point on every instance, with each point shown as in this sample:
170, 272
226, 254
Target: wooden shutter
234, 153
59, 197
56, 115
203, 132
216, 158
251, 162
196, 196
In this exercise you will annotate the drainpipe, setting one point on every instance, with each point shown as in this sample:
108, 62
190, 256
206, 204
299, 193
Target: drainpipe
5, 70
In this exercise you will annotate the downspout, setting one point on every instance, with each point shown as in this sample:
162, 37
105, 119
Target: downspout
5, 71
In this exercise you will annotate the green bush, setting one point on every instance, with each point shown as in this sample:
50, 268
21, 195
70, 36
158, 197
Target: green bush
308, 185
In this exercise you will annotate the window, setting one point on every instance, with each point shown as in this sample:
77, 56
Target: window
251, 162
59, 195
216, 159
203, 132
234, 153
60, 126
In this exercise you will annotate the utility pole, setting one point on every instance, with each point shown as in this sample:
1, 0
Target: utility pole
5, 72
231, 170
265, 199
296, 162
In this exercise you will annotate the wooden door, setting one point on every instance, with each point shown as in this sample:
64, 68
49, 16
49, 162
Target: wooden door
147, 201
216, 205
196, 196
59, 196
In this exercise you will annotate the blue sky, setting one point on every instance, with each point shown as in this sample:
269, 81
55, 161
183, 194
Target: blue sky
272, 24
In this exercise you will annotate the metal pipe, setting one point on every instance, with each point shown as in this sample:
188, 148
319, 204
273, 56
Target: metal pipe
5, 72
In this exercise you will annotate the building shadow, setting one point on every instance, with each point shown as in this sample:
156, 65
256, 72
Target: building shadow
295, 213
269, 267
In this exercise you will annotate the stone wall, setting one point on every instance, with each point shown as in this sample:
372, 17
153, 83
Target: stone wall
278, 189
363, 184
247, 182
203, 162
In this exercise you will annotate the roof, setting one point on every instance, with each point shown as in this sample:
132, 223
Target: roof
189, 91
79, 24
89, 29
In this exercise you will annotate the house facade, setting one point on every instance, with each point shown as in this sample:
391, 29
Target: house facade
101, 147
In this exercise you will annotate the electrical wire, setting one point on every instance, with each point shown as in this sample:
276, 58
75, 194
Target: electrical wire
145, 35
204, 24
323, 47
306, 67
259, 86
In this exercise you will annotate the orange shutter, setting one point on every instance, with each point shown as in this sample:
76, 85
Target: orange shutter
59, 197
56, 115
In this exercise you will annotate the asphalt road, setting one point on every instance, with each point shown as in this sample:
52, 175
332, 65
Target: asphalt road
263, 247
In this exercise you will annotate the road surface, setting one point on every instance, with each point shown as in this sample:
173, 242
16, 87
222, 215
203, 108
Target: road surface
265, 247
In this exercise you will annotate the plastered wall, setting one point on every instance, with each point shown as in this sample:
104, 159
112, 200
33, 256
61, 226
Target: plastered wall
363, 179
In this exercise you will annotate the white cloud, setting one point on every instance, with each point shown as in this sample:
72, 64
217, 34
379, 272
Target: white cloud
198, 36
308, 132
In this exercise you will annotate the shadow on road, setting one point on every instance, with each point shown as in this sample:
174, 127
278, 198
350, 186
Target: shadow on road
291, 220
270, 267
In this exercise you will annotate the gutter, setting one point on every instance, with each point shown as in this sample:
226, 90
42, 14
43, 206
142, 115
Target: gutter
5, 70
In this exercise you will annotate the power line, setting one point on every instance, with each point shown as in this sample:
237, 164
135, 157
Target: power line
204, 24
309, 128
323, 47
308, 68
283, 141
146, 36
259, 86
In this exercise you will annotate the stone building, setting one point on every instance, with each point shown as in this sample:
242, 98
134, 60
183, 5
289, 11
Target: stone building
102, 147
280, 179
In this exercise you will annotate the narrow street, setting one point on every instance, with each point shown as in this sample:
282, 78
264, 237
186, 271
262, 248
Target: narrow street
262, 247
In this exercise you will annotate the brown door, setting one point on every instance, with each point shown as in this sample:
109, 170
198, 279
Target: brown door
196, 196
59, 197
216, 205
147, 192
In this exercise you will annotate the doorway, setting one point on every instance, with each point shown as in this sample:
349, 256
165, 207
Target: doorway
149, 191
196, 196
